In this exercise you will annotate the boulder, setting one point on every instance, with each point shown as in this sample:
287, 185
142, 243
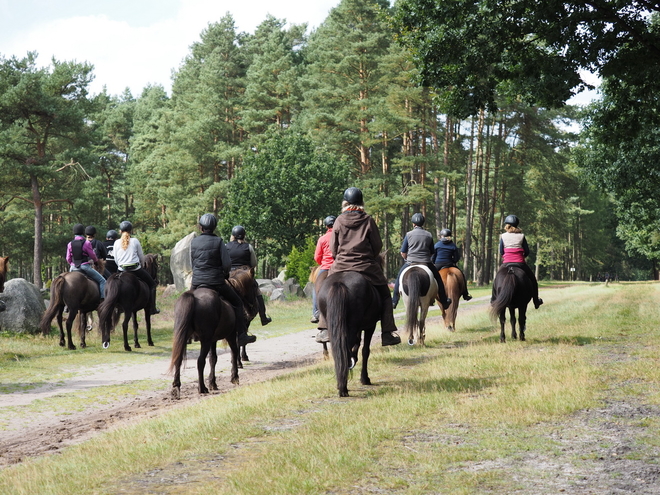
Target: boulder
278, 295
180, 264
170, 290
24, 307
309, 289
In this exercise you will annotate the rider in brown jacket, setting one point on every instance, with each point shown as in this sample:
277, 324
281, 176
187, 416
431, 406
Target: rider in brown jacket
356, 246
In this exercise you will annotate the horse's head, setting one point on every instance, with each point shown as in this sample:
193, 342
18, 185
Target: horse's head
3, 271
151, 265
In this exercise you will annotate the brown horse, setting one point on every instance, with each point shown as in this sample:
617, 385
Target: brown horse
81, 295
202, 314
454, 282
242, 281
126, 294
317, 277
3, 271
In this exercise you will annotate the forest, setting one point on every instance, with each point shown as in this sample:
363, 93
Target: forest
453, 109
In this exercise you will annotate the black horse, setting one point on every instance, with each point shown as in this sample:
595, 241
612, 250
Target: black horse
350, 305
512, 289
126, 293
203, 315
77, 292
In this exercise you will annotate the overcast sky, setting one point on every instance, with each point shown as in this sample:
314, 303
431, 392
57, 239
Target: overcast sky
132, 43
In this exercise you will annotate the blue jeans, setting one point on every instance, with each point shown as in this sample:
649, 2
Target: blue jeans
93, 274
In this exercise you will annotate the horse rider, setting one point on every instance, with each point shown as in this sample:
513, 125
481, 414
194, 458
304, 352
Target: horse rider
447, 255
514, 250
356, 244
417, 248
323, 256
242, 254
97, 246
80, 255
109, 244
211, 265
129, 257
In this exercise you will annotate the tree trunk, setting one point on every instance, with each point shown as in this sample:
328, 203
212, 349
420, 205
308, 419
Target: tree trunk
38, 226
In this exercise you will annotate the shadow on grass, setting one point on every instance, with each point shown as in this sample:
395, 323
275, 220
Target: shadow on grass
455, 385
573, 340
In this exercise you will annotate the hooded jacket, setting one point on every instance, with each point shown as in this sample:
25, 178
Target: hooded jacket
356, 244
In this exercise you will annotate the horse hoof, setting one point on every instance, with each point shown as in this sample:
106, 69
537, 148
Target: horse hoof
128, 348
72, 347
204, 391
234, 381
411, 342
176, 393
62, 344
106, 345
83, 345
352, 364
137, 346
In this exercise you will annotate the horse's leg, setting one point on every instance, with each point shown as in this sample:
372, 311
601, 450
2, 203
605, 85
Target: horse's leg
239, 361
213, 360
201, 362
512, 312
366, 350
135, 330
502, 324
522, 318
244, 356
422, 325
147, 319
82, 328
326, 354
235, 359
124, 327
69, 324
61, 326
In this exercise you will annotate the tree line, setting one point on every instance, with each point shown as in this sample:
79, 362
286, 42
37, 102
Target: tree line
267, 129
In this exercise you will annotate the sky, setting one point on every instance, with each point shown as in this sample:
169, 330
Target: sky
133, 43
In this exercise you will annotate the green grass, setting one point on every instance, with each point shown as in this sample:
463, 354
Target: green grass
464, 415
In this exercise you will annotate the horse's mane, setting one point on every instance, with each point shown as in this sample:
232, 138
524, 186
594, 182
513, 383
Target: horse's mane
242, 282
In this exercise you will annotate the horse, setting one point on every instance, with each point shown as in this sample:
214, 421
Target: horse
242, 281
317, 277
126, 293
511, 289
454, 282
77, 292
350, 305
4, 263
419, 290
204, 315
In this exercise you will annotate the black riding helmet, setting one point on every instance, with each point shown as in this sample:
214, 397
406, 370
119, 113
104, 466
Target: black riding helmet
208, 222
126, 226
112, 234
90, 230
238, 232
353, 196
445, 233
79, 229
418, 219
329, 221
512, 220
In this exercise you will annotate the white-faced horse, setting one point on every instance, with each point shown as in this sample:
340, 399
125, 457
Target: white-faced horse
418, 289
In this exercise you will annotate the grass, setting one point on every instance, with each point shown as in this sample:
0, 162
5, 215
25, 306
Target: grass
463, 415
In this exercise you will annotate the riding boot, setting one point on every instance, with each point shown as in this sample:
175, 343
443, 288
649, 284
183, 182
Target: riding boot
152, 303
265, 319
241, 329
387, 326
537, 302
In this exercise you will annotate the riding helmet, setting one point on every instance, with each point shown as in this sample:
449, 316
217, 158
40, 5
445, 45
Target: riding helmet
238, 232
353, 196
208, 222
90, 230
329, 221
126, 226
445, 233
112, 234
79, 229
512, 220
418, 219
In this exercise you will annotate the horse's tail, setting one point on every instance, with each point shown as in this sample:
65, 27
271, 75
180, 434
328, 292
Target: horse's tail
414, 283
56, 301
454, 287
337, 320
107, 317
184, 313
505, 292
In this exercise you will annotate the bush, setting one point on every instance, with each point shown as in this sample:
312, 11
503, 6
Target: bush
300, 262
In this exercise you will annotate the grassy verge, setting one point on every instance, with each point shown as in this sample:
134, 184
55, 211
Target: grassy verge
456, 417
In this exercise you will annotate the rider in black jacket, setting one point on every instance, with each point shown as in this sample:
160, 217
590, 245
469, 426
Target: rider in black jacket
211, 265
